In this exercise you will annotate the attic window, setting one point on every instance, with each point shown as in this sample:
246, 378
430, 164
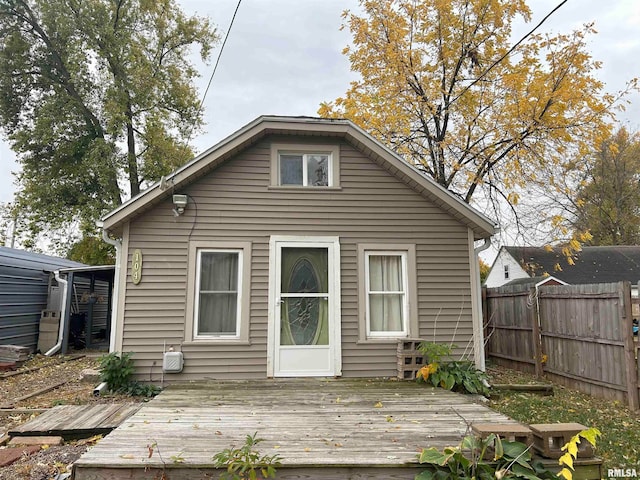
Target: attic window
506, 272
305, 166
304, 169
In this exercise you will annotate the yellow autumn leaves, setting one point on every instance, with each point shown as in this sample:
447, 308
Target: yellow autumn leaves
427, 370
450, 99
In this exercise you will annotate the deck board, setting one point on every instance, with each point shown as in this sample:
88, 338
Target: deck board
73, 421
339, 426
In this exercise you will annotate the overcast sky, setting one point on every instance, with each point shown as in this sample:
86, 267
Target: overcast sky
284, 57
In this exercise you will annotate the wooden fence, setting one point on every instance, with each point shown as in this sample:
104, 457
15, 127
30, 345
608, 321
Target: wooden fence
576, 335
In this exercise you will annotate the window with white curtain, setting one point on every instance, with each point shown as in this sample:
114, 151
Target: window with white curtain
218, 287
386, 294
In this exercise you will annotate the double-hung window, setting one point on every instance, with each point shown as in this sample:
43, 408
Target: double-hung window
218, 294
386, 294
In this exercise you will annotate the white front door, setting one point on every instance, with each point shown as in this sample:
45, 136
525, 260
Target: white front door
304, 307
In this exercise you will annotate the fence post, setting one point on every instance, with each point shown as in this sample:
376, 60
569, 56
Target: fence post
536, 338
485, 321
629, 347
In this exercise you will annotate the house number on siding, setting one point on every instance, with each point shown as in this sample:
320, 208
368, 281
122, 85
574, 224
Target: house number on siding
136, 266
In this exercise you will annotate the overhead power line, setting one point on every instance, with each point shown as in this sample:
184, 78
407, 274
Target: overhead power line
510, 51
215, 67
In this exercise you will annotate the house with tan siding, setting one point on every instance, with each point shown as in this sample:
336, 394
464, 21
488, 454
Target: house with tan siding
294, 247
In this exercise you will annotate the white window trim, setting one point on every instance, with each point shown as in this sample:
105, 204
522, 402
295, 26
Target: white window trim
276, 243
506, 272
196, 308
405, 285
333, 174
411, 295
244, 279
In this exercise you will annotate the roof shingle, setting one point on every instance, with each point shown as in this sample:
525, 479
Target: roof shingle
602, 264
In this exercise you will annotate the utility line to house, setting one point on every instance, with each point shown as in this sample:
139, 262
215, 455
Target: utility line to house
510, 51
215, 67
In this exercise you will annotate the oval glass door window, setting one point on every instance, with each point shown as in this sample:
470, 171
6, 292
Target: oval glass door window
304, 309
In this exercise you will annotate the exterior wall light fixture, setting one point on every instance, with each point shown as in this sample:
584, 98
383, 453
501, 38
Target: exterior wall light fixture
179, 204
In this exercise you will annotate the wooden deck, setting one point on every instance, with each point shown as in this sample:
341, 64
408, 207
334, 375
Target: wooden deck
77, 421
320, 428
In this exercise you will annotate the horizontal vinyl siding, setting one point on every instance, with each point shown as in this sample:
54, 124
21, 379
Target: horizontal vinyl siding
235, 204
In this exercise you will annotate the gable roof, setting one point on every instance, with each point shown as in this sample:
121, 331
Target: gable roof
251, 133
592, 264
536, 281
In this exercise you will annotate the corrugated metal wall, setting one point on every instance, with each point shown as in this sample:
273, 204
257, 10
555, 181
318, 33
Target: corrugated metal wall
24, 283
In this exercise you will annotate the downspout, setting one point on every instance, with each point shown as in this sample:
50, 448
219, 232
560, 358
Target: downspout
116, 286
479, 333
63, 313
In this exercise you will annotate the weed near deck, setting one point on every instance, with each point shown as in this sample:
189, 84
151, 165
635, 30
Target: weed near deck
619, 445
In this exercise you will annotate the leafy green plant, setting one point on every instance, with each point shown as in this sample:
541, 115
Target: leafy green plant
459, 376
571, 449
245, 463
435, 351
177, 458
137, 389
481, 459
117, 369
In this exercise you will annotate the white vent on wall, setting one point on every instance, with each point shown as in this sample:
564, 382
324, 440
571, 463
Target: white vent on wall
172, 362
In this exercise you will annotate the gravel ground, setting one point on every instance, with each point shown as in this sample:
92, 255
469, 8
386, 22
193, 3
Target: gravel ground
45, 464
49, 462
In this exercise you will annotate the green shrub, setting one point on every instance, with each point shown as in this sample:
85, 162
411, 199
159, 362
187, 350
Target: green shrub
117, 370
137, 389
459, 376
435, 351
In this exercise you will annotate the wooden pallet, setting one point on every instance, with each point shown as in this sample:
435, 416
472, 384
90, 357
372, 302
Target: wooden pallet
77, 421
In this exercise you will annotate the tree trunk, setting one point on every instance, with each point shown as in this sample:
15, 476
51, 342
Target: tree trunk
132, 160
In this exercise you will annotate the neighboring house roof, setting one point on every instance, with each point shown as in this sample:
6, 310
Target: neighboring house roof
482, 226
537, 281
591, 264
23, 258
